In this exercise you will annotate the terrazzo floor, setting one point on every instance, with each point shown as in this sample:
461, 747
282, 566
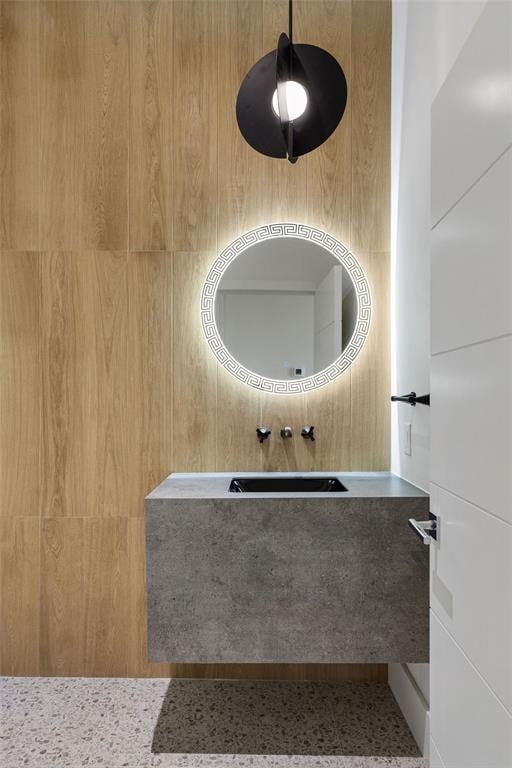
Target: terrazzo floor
144, 723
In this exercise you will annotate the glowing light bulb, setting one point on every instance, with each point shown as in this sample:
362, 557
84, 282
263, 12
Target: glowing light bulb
296, 99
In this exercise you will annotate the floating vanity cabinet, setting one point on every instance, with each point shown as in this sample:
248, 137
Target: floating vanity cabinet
286, 577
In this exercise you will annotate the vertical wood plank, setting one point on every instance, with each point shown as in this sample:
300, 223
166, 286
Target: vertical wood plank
84, 597
371, 95
106, 601
106, 110
329, 411
329, 167
20, 384
238, 416
150, 365
136, 628
151, 135
370, 375
19, 596
62, 119
240, 190
63, 584
195, 125
85, 382
195, 370
19, 125
84, 125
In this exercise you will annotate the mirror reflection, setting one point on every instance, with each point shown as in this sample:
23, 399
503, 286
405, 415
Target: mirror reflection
286, 308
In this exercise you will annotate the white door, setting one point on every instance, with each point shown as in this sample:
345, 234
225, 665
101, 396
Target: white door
471, 403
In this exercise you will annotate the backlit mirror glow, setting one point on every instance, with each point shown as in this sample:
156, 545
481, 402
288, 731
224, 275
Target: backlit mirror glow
286, 308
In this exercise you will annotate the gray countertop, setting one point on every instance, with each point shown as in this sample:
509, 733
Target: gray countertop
215, 485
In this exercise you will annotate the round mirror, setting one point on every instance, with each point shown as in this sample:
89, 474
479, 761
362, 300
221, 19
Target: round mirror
286, 308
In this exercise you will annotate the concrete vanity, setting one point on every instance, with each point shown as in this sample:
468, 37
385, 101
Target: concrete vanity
286, 577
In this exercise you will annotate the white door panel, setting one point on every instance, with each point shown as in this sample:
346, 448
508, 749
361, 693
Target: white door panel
470, 727
471, 420
472, 264
471, 403
472, 113
471, 566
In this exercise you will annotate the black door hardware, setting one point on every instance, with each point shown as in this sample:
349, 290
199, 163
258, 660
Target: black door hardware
263, 433
412, 398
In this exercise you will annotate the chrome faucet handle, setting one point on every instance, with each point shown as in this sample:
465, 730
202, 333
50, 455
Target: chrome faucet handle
308, 433
263, 433
286, 432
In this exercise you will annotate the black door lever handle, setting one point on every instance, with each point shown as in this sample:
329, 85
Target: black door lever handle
412, 398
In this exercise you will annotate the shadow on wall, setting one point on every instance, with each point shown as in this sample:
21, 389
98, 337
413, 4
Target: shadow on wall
281, 718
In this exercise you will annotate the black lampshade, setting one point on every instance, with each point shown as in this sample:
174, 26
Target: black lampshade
326, 87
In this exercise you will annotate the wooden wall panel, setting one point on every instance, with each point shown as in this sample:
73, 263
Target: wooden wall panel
19, 125
150, 374
84, 330
61, 124
329, 411
84, 601
240, 191
20, 384
151, 120
194, 388
329, 168
195, 125
136, 622
62, 650
371, 377
124, 171
238, 415
105, 127
84, 125
371, 125
19, 596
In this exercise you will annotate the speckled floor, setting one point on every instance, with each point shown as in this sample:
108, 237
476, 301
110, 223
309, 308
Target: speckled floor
139, 723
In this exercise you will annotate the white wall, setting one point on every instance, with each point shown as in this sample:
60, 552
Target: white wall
328, 318
269, 332
427, 38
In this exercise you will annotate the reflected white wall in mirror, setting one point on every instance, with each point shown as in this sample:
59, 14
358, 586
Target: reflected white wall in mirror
286, 308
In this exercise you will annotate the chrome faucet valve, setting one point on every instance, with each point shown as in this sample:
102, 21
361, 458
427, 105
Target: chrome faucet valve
263, 433
308, 433
286, 432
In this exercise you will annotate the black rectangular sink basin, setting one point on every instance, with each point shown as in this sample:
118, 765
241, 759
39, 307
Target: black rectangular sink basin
286, 485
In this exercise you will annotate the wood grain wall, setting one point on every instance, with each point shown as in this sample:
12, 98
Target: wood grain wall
122, 173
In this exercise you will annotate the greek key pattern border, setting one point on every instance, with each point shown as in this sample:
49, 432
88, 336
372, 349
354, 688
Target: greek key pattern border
303, 232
